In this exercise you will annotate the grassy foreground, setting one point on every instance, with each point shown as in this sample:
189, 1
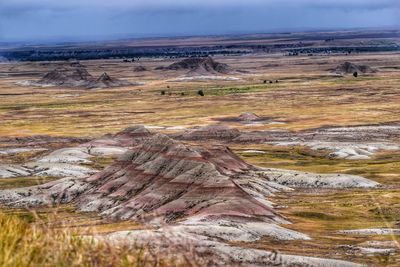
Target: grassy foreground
38, 244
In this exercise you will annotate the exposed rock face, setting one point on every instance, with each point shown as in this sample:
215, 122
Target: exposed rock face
76, 75
216, 132
350, 68
205, 194
355, 142
249, 117
139, 69
313, 180
372, 231
39, 140
221, 254
128, 137
10, 171
199, 65
105, 81
69, 161
70, 77
163, 178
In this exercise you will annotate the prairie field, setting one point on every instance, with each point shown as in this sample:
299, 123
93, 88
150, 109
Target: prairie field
295, 93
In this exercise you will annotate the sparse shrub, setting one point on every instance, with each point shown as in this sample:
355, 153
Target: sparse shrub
200, 93
162, 92
182, 93
355, 74
276, 81
265, 81
270, 81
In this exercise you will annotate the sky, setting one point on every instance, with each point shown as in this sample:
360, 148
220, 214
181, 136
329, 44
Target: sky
58, 20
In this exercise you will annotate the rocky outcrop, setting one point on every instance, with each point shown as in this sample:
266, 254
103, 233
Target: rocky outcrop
69, 77
193, 192
161, 179
105, 81
10, 171
353, 143
211, 132
199, 65
166, 179
128, 137
76, 75
68, 161
249, 117
350, 68
140, 69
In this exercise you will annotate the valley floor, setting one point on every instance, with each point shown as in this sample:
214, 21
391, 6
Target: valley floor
304, 97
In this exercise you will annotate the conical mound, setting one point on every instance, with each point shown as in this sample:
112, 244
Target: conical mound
248, 117
200, 65
76, 75
162, 179
350, 68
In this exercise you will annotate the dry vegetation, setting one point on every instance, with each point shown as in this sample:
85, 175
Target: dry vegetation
307, 96
49, 241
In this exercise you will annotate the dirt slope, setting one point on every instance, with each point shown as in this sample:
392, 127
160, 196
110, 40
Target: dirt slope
199, 66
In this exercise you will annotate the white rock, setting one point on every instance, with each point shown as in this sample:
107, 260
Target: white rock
12, 171
372, 231
305, 179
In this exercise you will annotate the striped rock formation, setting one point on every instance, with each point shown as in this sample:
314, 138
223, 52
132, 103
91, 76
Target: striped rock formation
162, 180
166, 179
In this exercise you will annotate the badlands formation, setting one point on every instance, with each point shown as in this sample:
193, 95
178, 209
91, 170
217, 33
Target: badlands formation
201, 69
350, 68
278, 164
74, 76
354, 143
199, 66
204, 194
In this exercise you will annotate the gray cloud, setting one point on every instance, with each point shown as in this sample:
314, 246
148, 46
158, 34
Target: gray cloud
46, 19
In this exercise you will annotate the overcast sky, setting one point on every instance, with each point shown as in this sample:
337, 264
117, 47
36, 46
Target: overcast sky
27, 20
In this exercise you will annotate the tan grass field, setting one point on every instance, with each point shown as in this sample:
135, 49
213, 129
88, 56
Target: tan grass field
306, 96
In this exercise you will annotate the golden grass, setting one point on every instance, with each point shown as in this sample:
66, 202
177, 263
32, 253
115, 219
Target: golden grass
306, 97
384, 167
39, 244
322, 214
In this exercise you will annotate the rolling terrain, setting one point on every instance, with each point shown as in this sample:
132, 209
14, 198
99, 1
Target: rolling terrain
267, 156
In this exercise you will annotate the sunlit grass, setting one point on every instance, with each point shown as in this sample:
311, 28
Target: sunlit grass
26, 244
